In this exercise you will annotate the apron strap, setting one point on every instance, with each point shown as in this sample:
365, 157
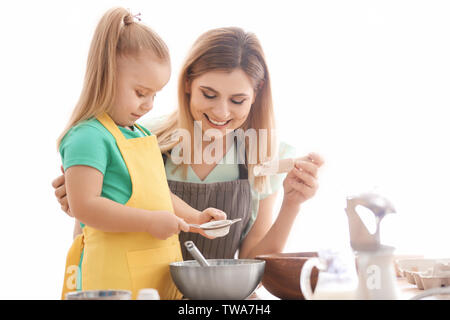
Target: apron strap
243, 170
164, 156
72, 275
109, 124
139, 127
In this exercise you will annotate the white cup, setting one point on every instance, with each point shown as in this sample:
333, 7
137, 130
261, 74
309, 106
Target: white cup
148, 294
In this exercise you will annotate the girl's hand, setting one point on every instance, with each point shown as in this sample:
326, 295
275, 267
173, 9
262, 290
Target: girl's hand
167, 225
209, 214
301, 182
60, 193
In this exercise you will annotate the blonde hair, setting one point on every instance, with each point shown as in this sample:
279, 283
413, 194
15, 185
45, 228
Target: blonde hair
225, 49
117, 34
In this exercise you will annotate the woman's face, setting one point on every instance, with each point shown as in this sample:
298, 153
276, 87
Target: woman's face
221, 100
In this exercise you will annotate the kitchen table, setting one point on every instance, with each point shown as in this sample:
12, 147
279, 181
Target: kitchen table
407, 291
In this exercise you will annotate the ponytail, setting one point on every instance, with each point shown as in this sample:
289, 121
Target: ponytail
117, 33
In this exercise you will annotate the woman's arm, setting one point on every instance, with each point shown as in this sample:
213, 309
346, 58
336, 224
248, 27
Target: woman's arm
299, 185
84, 186
77, 229
59, 184
264, 237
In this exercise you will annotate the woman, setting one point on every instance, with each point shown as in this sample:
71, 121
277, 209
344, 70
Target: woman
224, 86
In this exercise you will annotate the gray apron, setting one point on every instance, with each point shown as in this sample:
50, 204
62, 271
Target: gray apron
232, 197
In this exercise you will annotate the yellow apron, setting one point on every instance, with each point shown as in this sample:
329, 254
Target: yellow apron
131, 260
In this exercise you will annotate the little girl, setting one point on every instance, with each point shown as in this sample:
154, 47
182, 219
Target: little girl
115, 178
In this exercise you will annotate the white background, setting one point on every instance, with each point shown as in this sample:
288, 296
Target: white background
364, 83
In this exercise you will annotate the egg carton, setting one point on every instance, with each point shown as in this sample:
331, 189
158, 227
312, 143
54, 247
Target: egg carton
426, 273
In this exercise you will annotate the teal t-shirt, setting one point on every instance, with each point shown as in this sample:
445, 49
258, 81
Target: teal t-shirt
89, 143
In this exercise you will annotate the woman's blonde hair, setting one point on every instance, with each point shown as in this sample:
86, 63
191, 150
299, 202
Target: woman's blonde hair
225, 49
117, 34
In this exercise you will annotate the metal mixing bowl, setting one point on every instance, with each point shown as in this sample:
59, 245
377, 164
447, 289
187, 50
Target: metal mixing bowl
224, 279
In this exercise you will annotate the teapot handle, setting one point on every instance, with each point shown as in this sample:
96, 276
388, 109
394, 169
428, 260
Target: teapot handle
305, 276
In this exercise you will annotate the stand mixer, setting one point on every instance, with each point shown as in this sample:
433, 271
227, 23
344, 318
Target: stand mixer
375, 268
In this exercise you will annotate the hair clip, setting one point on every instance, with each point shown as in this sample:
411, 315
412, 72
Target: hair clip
136, 16
130, 18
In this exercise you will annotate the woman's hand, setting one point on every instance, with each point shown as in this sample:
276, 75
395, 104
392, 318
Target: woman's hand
301, 182
59, 184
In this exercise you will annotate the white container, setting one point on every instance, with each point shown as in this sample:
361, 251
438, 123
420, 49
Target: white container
148, 294
377, 279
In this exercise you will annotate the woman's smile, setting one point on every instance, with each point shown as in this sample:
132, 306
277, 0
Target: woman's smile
215, 123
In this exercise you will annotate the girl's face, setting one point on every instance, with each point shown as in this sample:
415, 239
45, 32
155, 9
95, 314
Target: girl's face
138, 80
221, 100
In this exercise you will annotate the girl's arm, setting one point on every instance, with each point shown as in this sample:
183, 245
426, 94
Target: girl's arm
185, 211
192, 215
181, 208
84, 186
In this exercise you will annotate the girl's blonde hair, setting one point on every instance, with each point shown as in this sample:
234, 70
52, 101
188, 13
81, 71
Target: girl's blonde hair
117, 34
225, 49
